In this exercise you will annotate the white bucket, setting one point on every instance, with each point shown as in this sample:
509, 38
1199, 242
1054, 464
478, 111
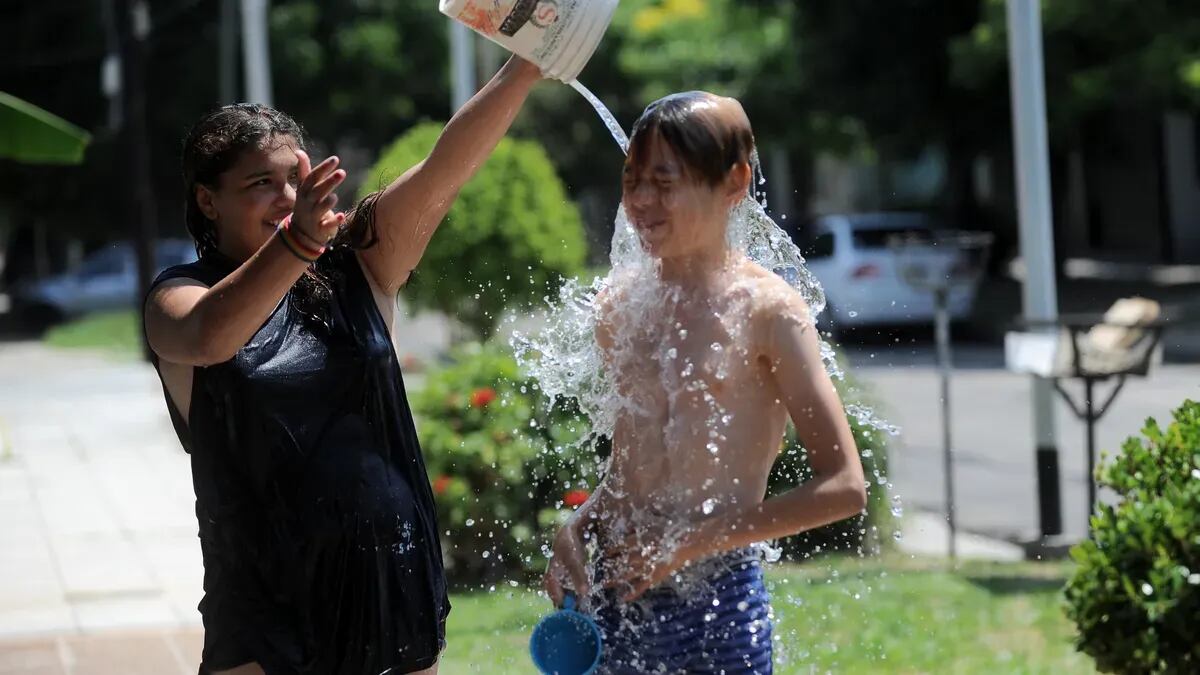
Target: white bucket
559, 36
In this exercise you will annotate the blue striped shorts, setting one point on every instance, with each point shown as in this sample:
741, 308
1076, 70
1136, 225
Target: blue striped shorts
716, 620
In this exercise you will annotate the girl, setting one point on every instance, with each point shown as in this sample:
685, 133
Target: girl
317, 524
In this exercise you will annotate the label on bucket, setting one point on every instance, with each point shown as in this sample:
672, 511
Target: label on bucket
557, 35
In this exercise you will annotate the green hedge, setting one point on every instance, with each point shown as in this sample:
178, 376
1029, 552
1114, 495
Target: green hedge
1135, 594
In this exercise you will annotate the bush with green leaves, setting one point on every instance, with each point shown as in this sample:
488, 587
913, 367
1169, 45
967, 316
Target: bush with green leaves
506, 469
509, 238
1135, 593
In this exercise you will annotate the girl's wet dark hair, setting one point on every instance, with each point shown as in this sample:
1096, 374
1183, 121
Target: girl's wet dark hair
217, 142
708, 142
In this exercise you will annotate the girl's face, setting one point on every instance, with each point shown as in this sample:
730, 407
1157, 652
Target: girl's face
252, 197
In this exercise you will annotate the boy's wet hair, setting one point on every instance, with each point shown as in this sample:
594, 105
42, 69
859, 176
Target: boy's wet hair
708, 136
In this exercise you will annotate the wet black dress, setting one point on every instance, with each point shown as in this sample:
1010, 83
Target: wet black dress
317, 521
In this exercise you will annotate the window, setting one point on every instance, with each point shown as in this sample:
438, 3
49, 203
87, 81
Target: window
820, 247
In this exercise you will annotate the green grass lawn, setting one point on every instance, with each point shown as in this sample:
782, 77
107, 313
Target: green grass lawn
845, 616
117, 333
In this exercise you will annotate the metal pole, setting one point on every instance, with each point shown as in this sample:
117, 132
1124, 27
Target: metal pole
942, 336
462, 65
256, 54
1040, 294
133, 30
1089, 391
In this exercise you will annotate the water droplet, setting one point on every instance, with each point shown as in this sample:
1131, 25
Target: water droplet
716, 602
1194, 578
716, 346
487, 554
1147, 589
713, 448
708, 506
1196, 474
897, 536
852, 313
672, 353
683, 334
470, 522
743, 606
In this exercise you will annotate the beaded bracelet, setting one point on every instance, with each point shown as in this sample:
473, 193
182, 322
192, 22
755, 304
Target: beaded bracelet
295, 246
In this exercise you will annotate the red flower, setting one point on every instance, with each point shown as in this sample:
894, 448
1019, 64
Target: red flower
480, 398
576, 498
442, 484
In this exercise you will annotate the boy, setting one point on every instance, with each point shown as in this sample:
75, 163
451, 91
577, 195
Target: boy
709, 354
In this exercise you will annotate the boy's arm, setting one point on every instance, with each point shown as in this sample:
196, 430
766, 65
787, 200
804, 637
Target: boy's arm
837, 489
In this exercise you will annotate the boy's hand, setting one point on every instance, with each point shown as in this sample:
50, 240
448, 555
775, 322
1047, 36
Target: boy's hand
568, 564
646, 561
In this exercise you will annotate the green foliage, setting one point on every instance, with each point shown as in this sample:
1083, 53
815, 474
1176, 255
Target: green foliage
501, 464
865, 534
380, 66
1135, 595
659, 51
509, 238
117, 332
1098, 53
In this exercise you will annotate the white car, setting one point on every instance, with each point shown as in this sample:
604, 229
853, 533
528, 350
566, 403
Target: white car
106, 280
857, 261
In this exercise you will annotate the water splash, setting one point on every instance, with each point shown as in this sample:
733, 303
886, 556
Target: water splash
610, 121
565, 358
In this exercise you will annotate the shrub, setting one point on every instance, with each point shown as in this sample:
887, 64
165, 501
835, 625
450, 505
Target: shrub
1135, 593
505, 470
508, 239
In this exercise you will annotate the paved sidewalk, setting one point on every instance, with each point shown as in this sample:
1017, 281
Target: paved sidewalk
155, 652
97, 529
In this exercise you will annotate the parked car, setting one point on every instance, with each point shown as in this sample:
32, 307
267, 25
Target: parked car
106, 279
854, 258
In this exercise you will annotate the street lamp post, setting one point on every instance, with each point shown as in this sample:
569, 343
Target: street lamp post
1040, 294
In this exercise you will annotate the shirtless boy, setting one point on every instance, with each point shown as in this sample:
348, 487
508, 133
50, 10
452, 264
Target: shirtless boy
710, 355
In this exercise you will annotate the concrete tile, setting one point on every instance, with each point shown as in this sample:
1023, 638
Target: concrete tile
174, 559
100, 614
31, 657
101, 564
189, 647
47, 617
123, 654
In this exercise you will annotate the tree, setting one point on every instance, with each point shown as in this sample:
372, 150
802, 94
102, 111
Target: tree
1099, 54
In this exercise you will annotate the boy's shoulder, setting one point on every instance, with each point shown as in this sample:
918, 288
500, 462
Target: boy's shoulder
769, 294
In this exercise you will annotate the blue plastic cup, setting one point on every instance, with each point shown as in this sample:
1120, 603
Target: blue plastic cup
566, 642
